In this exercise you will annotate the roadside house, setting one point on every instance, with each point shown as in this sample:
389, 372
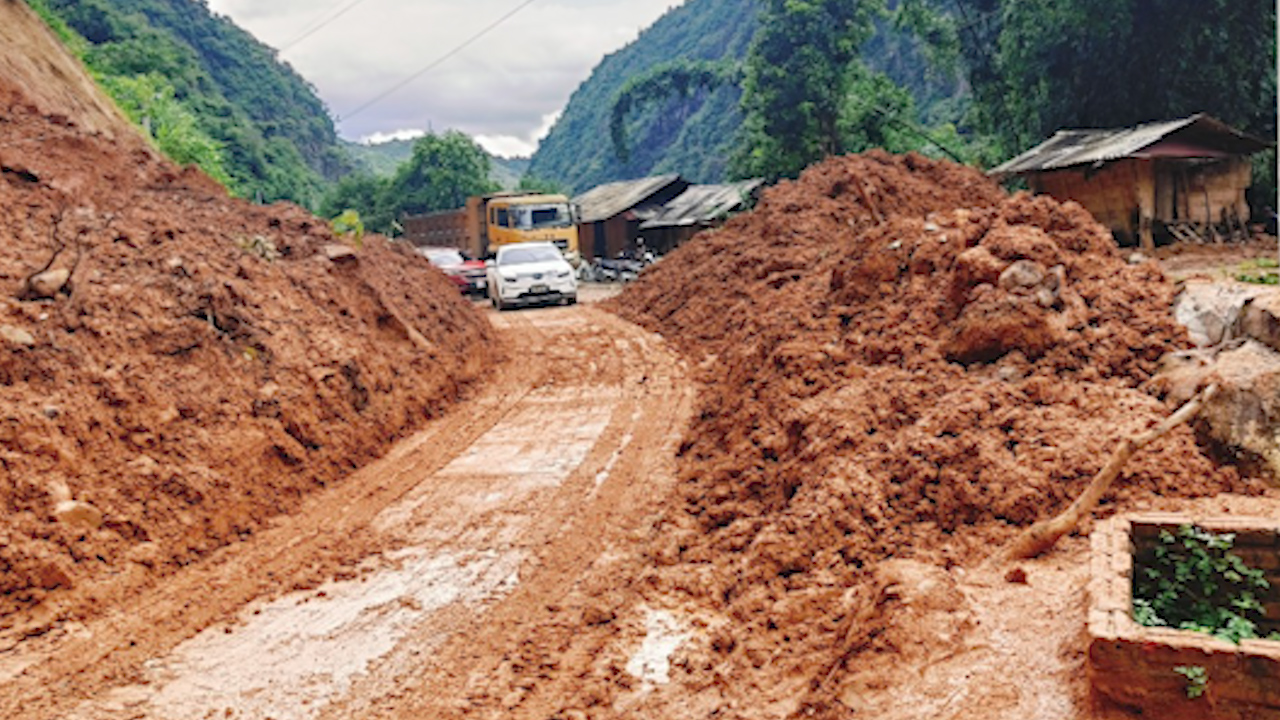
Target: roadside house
609, 216
1182, 179
696, 209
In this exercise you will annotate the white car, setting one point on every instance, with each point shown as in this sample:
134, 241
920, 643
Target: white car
532, 273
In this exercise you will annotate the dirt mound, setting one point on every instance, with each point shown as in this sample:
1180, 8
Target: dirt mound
176, 367
901, 362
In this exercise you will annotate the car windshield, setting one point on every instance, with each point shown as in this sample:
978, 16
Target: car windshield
444, 258
537, 217
524, 256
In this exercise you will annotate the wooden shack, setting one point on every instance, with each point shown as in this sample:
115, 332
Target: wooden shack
609, 216
699, 207
1176, 180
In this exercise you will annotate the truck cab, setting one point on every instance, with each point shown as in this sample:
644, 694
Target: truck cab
532, 218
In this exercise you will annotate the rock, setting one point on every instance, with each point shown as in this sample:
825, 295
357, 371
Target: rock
51, 411
59, 491
17, 336
78, 514
1260, 319
340, 253
50, 575
1137, 258
146, 553
1244, 415
1022, 275
1211, 311
48, 283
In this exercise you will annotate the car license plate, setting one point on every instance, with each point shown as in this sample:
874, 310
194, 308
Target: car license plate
537, 288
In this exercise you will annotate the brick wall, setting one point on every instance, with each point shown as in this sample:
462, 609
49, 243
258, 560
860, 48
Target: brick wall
1134, 665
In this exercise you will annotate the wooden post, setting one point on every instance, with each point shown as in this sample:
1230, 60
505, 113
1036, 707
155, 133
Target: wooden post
1146, 205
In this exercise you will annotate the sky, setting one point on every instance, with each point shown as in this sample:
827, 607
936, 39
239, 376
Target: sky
505, 89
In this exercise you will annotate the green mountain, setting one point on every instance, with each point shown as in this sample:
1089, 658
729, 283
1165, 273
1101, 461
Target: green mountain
690, 135
695, 134
384, 158
275, 136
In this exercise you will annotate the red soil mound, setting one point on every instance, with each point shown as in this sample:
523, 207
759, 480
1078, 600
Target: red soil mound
901, 362
205, 365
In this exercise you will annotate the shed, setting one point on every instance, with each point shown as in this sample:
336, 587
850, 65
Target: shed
608, 222
1184, 179
697, 208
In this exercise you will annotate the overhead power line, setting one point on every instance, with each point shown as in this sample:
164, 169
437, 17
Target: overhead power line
438, 61
323, 24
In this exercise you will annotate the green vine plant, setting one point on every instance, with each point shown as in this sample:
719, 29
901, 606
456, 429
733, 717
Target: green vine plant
349, 227
1197, 679
679, 78
1192, 581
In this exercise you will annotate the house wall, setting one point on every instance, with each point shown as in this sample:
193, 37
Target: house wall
1135, 198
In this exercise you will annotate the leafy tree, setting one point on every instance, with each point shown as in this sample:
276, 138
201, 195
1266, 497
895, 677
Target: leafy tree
798, 77
364, 194
532, 184
444, 171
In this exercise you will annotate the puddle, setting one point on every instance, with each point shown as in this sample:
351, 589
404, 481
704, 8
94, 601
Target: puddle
290, 657
664, 634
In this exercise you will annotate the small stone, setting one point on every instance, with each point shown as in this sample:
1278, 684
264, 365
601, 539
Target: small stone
1017, 576
1137, 258
51, 411
340, 253
78, 514
931, 227
48, 283
59, 491
146, 553
597, 616
1022, 274
17, 336
895, 245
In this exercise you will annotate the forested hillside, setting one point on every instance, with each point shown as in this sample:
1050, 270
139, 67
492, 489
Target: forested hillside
692, 135
199, 82
385, 158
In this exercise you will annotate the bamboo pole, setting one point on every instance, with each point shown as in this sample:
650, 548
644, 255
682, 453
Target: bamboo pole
1038, 538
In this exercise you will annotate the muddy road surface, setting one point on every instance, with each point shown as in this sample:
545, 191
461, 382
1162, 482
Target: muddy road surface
445, 546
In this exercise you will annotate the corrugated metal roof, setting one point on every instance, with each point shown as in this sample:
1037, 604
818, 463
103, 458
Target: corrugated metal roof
606, 201
702, 204
1069, 148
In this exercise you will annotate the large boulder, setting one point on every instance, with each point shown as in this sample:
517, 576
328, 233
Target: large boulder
1238, 329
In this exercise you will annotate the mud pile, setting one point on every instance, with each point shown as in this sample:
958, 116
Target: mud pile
177, 367
901, 362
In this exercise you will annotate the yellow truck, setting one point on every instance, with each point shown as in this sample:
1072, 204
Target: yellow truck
499, 219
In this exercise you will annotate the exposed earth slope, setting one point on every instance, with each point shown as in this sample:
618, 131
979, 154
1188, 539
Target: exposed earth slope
188, 365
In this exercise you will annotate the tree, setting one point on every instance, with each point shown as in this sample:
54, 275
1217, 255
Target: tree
798, 77
444, 171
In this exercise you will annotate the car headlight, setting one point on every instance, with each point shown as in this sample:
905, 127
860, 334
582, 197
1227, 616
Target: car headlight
563, 275
508, 279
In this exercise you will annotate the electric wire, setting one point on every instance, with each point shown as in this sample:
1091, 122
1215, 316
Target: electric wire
317, 28
438, 61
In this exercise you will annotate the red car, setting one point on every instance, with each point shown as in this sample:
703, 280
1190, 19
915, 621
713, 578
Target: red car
467, 274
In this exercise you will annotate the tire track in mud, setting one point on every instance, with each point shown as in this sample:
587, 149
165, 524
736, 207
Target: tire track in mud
487, 513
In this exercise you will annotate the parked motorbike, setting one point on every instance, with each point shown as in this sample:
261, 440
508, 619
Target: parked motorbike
623, 268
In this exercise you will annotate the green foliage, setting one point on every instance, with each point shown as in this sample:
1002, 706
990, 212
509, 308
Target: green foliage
1197, 679
532, 184
349, 226
798, 78
692, 134
1036, 66
676, 79
277, 140
443, 171
149, 101
1194, 582
1254, 272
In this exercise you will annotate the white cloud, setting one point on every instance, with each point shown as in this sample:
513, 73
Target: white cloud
501, 89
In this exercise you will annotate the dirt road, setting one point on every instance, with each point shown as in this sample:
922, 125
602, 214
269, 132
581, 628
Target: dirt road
453, 540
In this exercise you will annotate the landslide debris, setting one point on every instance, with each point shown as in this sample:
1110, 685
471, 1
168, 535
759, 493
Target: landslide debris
176, 366
901, 362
